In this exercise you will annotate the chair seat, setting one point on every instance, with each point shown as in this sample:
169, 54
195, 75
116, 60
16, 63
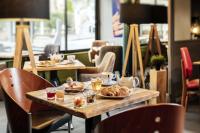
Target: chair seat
43, 119
193, 84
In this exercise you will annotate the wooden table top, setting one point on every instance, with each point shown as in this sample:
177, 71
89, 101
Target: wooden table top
99, 107
74, 66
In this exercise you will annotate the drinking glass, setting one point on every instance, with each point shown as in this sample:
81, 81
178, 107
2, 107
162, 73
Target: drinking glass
79, 101
90, 97
60, 93
96, 84
50, 93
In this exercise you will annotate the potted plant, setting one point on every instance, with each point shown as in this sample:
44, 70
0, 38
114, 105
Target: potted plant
157, 61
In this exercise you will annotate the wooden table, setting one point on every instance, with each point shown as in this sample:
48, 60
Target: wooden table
92, 113
75, 66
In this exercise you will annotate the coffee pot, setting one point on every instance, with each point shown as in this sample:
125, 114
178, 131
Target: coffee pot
56, 57
130, 82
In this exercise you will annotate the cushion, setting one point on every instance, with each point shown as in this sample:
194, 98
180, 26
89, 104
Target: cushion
192, 84
187, 62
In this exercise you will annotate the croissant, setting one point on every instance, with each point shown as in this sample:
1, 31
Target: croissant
115, 91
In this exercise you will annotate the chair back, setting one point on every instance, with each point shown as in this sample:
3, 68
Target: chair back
108, 62
50, 49
162, 118
94, 50
15, 83
99, 43
118, 53
187, 62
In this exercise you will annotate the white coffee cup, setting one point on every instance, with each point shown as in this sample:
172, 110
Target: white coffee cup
107, 77
71, 58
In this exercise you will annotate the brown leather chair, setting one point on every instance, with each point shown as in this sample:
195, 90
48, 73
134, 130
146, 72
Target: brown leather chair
25, 116
163, 118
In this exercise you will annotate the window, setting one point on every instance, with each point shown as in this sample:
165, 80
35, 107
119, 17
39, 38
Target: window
71, 25
162, 28
80, 24
51, 31
7, 36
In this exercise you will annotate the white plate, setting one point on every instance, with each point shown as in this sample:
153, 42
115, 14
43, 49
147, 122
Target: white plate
73, 90
109, 83
45, 65
114, 97
65, 62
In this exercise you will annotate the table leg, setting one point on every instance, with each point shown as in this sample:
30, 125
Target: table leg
76, 74
54, 78
91, 123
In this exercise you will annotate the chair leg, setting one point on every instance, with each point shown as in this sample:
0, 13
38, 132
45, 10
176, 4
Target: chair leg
183, 98
69, 127
186, 102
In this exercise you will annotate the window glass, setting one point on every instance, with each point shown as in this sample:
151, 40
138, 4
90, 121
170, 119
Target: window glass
80, 24
78, 15
7, 36
147, 1
51, 31
162, 28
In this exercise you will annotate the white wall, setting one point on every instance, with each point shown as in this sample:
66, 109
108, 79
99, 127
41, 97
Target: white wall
106, 22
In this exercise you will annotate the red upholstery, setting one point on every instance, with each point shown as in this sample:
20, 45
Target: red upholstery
192, 84
187, 84
187, 63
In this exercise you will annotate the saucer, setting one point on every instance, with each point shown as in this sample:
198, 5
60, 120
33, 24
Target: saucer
109, 83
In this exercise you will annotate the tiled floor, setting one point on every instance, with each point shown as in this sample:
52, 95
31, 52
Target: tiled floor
192, 124
192, 119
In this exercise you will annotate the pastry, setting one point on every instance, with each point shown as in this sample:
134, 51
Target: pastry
115, 91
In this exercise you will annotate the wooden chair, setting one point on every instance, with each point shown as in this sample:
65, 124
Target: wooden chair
162, 118
25, 116
189, 87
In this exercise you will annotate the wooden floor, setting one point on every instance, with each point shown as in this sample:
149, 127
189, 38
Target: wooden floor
192, 124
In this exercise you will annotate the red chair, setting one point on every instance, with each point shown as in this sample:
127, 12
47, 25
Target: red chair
189, 87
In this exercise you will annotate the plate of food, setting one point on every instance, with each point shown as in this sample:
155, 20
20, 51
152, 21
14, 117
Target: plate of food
46, 64
74, 86
115, 92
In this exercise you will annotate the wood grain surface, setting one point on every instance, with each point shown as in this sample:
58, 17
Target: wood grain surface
99, 107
